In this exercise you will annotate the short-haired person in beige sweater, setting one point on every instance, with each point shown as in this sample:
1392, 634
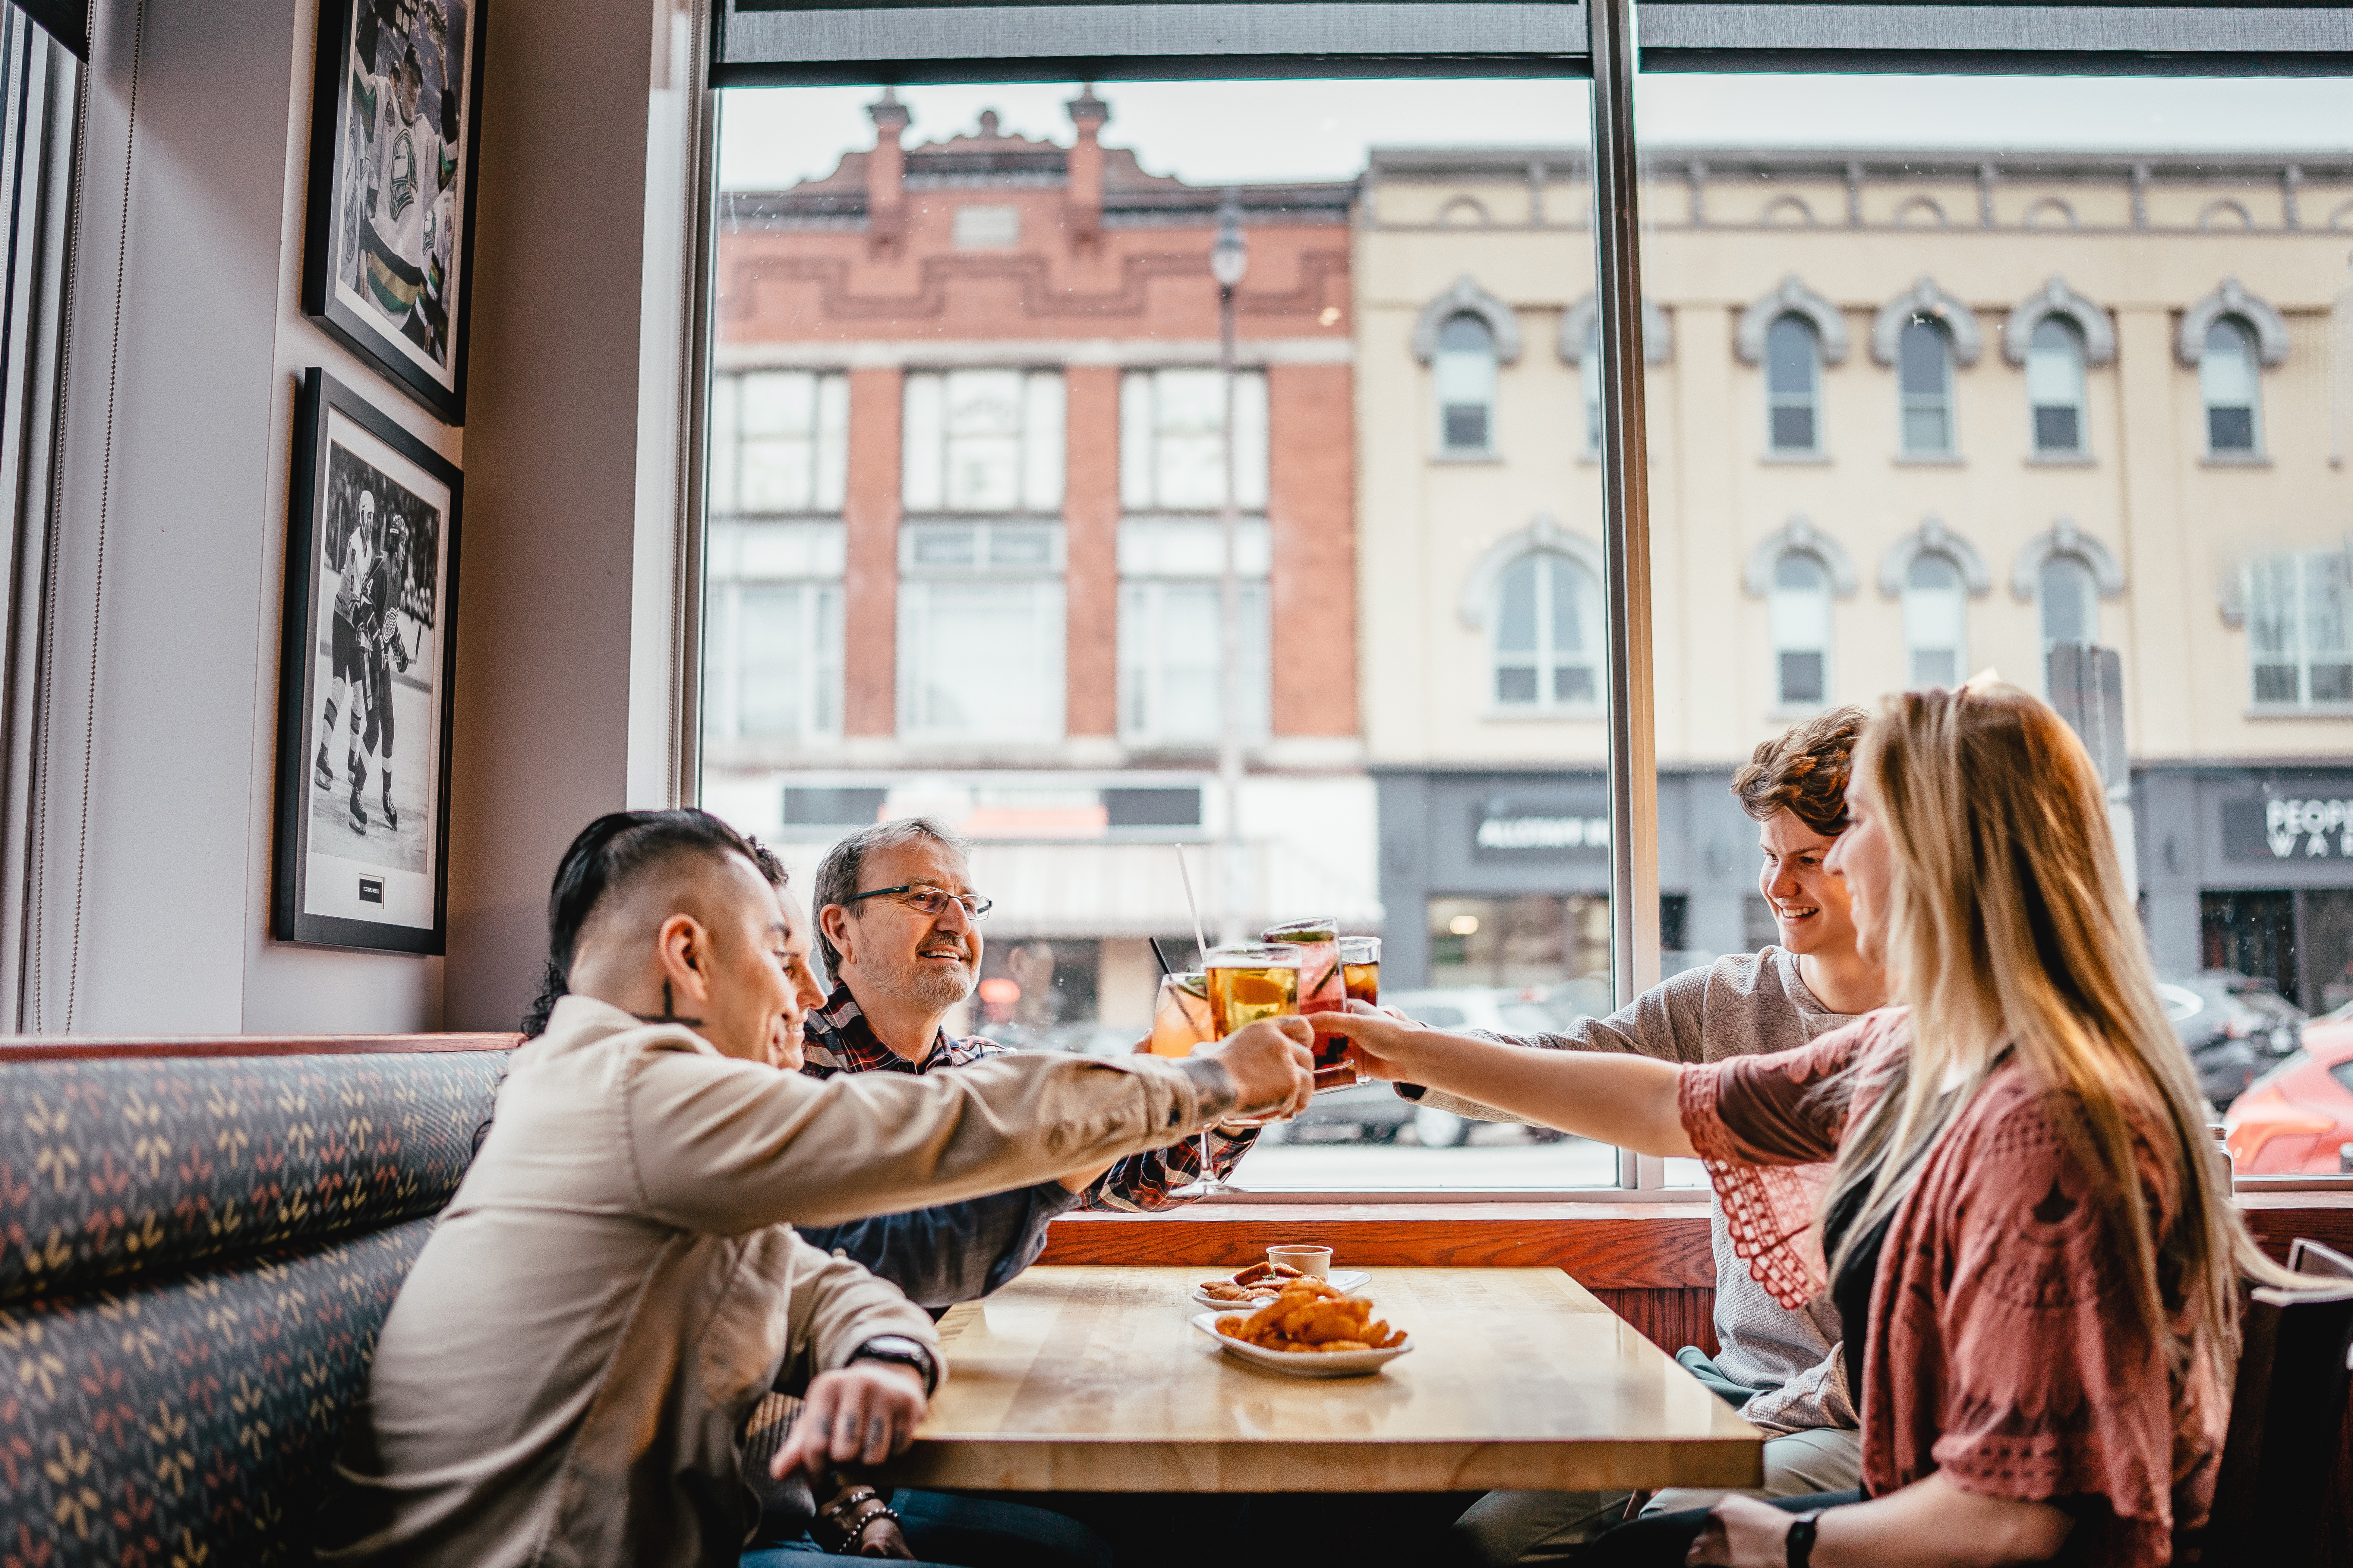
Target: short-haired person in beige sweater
565, 1376
1783, 1368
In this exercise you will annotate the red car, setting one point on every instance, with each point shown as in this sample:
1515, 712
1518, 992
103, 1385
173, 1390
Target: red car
2297, 1119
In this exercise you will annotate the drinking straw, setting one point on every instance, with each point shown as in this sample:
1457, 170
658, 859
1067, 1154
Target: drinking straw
1158, 959
1200, 937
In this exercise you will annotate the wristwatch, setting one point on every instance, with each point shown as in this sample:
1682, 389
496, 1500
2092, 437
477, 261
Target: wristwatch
1800, 1543
903, 1352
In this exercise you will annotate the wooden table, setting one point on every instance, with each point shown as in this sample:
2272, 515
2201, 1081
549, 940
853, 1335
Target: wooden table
1093, 1379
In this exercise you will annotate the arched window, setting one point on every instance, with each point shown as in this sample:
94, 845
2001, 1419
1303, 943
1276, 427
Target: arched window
1547, 634
1923, 374
1793, 385
1799, 608
1464, 370
1936, 621
2226, 382
2055, 387
2071, 602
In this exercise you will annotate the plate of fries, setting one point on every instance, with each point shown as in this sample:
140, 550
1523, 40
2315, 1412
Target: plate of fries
1248, 1289
1310, 1330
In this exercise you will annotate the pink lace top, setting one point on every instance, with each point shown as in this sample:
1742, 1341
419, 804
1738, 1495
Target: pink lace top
2003, 1347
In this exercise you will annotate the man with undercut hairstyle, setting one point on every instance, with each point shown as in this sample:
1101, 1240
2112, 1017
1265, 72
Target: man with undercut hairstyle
567, 1372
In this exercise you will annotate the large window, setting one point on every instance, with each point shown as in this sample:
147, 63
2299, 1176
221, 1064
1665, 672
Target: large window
2299, 642
2054, 389
1172, 429
984, 440
1799, 608
1936, 621
2227, 383
981, 633
1548, 636
1924, 377
1793, 386
1171, 669
775, 634
1465, 374
1424, 645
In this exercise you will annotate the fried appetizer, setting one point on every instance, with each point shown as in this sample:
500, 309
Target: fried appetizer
1309, 1317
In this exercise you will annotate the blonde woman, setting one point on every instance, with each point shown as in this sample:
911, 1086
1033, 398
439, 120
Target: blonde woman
2010, 1174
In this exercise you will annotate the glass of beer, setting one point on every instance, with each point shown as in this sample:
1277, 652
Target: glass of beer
1321, 989
1249, 981
1180, 1020
1360, 968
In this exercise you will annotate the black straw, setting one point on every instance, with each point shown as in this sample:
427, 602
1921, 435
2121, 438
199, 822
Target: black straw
1161, 961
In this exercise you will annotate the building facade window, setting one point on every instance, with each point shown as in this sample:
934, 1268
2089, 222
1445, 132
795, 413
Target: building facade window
1548, 628
2298, 641
1923, 374
779, 442
773, 651
1935, 622
981, 631
1800, 611
1171, 638
2055, 388
2227, 385
1793, 386
1463, 373
983, 441
1172, 434
2070, 598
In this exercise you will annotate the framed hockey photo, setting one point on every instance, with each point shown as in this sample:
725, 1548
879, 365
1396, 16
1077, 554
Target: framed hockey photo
389, 242
364, 681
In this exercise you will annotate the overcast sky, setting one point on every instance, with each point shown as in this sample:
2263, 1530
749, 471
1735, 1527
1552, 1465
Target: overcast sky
1244, 132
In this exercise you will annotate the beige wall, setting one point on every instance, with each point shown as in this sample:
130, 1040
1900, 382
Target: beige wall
2180, 525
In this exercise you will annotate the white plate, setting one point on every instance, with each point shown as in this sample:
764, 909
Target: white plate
1347, 1281
1303, 1363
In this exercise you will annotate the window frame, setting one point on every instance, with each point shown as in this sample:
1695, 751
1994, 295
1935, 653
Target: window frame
1941, 401
1912, 647
1811, 400
1543, 659
2242, 332
1588, 38
2300, 659
1821, 648
1487, 365
2078, 369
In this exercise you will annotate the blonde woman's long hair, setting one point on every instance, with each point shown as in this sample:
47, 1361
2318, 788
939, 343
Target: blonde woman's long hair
2009, 928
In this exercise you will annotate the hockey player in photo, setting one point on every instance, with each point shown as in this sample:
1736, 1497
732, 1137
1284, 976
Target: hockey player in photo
409, 165
383, 645
347, 686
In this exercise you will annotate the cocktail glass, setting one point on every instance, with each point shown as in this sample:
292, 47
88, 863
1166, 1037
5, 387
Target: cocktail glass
1180, 1019
1245, 982
1360, 968
1321, 989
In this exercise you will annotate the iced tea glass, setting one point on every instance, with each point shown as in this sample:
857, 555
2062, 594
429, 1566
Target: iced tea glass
1180, 1019
1249, 981
1321, 990
1360, 968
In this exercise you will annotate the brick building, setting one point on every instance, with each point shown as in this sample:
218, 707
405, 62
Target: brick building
968, 464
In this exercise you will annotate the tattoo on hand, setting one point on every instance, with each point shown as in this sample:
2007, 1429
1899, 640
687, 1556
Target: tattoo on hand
876, 1429
1213, 1087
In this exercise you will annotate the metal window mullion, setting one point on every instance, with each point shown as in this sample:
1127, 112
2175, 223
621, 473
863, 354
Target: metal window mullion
1625, 479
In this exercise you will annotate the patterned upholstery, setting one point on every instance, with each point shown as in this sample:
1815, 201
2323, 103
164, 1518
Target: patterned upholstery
196, 1257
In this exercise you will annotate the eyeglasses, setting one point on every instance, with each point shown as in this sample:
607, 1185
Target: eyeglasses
928, 901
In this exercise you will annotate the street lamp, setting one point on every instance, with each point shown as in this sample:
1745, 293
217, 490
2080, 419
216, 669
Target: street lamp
1228, 261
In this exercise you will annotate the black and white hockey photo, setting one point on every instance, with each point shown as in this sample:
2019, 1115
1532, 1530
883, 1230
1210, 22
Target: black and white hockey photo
388, 271
376, 587
363, 707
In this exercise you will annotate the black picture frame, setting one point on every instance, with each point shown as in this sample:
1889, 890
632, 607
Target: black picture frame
353, 273
332, 861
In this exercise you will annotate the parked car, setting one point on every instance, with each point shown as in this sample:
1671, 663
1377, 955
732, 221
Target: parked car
1379, 1113
2297, 1119
2234, 1025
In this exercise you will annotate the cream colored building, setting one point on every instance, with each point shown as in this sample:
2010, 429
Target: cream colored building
1910, 414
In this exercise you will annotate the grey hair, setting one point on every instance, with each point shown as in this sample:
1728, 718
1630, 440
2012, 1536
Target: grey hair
838, 874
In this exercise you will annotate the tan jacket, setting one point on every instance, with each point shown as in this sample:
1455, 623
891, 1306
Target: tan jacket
563, 1375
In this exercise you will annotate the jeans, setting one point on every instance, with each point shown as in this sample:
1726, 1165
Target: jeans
948, 1532
1662, 1539
1520, 1530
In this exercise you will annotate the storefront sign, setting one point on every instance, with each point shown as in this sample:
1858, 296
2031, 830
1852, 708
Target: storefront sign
2285, 829
1516, 837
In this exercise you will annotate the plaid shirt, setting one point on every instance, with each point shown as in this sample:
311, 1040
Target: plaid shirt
839, 1039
